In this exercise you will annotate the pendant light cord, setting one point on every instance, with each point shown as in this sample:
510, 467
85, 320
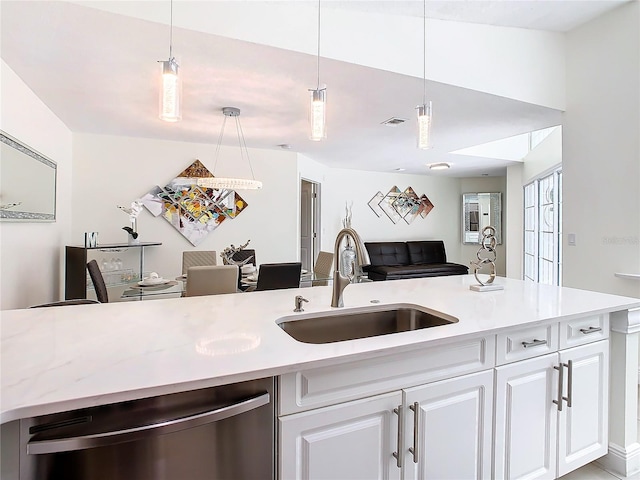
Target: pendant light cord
217, 154
241, 141
424, 46
171, 30
244, 144
318, 83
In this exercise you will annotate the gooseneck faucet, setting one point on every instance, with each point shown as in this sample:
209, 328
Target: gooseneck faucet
340, 282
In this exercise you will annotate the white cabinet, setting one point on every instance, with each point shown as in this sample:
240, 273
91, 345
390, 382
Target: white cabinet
354, 440
381, 436
451, 436
526, 419
551, 413
582, 424
522, 403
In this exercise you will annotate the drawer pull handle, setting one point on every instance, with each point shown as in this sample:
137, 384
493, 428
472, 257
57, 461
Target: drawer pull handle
535, 343
589, 330
414, 450
399, 454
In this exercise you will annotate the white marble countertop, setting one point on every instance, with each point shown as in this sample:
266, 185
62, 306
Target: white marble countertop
63, 358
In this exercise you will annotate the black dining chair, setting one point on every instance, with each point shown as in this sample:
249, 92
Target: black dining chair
272, 276
98, 282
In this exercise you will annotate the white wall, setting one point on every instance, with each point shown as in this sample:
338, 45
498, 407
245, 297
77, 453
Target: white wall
112, 170
442, 223
601, 153
519, 63
485, 185
544, 158
30, 253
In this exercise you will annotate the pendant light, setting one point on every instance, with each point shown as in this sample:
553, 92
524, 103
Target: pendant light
170, 88
227, 182
318, 107
424, 110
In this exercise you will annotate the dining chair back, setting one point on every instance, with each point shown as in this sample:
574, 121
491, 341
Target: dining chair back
244, 254
62, 303
272, 276
98, 281
198, 258
212, 280
323, 268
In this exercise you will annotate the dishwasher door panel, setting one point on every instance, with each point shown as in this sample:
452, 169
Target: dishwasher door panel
220, 433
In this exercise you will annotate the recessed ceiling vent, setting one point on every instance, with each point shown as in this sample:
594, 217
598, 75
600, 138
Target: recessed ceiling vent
394, 121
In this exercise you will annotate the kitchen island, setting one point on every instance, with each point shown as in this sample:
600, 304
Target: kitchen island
65, 358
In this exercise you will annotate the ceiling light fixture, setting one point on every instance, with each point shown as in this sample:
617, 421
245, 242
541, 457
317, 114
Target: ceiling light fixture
439, 166
318, 107
171, 87
225, 182
424, 110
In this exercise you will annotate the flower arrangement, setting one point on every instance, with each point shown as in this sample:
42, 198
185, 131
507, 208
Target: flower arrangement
133, 211
228, 253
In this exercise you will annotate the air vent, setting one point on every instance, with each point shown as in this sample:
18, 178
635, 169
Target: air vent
394, 121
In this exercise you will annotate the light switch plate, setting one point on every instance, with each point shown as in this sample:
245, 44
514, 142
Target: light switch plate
572, 239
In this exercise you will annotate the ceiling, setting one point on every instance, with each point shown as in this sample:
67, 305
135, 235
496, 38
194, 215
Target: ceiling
92, 68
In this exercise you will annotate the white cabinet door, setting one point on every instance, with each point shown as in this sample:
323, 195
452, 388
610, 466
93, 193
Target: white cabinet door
454, 429
353, 440
526, 419
583, 425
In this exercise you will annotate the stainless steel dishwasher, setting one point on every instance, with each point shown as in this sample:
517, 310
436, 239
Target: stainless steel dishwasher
218, 433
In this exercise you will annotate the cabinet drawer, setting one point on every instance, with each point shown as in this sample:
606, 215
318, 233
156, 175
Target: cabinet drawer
526, 343
584, 330
318, 387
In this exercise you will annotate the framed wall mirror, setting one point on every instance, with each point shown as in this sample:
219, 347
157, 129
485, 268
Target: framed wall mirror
27, 183
480, 210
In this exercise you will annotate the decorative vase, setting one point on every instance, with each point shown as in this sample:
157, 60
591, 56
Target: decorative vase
347, 261
133, 241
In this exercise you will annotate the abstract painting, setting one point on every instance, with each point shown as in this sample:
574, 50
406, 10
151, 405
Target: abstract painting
397, 204
192, 209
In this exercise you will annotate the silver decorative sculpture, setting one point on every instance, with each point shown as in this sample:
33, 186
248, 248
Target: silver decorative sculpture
486, 256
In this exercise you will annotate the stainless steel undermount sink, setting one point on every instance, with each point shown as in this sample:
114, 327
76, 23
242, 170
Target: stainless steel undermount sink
328, 327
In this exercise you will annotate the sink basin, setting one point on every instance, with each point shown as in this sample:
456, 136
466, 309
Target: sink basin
334, 326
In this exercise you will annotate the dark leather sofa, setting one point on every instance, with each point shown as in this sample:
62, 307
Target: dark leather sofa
414, 259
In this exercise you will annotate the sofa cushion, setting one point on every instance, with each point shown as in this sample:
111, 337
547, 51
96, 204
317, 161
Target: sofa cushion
387, 253
416, 271
427, 251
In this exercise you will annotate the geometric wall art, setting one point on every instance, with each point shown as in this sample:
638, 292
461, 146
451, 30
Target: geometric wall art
397, 205
194, 210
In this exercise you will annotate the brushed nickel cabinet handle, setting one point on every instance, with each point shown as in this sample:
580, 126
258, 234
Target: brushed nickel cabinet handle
414, 450
587, 331
569, 396
534, 343
398, 455
560, 386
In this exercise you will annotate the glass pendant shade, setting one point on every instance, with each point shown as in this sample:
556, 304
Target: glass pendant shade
318, 114
170, 92
424, 125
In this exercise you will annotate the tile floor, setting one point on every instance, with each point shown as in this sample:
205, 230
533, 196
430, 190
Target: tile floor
593, 471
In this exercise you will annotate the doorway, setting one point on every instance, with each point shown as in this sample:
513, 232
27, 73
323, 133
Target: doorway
309, 223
